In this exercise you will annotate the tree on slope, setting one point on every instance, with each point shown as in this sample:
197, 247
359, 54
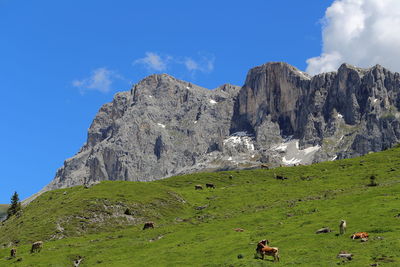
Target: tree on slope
15, 206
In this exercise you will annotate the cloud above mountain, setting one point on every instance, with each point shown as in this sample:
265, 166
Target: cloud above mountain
153, 61
359, 32
100, 80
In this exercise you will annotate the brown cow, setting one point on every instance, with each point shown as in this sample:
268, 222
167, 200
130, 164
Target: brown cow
148, 225
13, 252
264, 249
198, 187
262, 244
37, 246
359, 235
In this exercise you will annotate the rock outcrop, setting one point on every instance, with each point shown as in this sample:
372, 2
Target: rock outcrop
164, 126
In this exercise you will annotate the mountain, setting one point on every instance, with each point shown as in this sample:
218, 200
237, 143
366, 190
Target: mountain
280, 116
3, 211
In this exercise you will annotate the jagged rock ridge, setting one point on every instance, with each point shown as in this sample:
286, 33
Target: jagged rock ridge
164, 126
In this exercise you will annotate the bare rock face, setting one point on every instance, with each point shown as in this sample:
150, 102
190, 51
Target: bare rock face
158, 129
338, 115
165, 127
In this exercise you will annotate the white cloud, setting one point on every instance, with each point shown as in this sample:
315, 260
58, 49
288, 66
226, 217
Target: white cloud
191, 65
359, 32
205, 64
100, 80
153, 61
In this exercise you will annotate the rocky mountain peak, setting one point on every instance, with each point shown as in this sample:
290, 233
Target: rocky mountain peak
281, 115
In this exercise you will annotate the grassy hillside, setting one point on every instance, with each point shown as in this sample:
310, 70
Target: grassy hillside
104, 223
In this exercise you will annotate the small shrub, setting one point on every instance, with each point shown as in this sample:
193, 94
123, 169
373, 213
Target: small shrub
128, 212
372, 181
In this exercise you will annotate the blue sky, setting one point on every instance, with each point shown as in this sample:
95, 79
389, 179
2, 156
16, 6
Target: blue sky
61, 60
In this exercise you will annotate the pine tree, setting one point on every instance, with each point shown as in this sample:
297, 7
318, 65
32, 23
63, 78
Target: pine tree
15, 206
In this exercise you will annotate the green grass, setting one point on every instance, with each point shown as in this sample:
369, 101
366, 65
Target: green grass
91, 222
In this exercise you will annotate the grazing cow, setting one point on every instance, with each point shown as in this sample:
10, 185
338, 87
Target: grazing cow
37, 246
264, 249
323, 230
342, 227
262, 244
264, 166
210, 186
238, 230
78, 261
148, 225
198, 187
13, 252
360, 235
279, 177
345, 254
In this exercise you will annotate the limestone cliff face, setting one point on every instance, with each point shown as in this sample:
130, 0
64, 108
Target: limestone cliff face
347, 113
158, 129
165, 126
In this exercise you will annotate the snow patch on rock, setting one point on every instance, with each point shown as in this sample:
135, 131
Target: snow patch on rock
281, 147
311, 149
290, 152
236, 141
290, 161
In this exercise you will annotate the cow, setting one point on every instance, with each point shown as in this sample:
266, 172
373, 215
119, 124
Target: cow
78, 261
238, 230
13, 252
37, 246
360, 235
148, 225
264, 249
230, 176
210, 186
261, 244
323, 230
345, 254
342, 227
198, 187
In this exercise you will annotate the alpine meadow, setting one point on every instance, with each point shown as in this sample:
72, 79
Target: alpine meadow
200, 133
